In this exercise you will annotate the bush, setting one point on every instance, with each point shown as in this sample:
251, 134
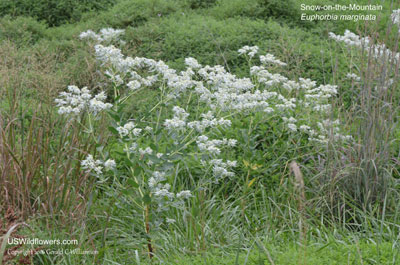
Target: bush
200, 3
210, 40
131, 13
282, 11
22, 30
53, 12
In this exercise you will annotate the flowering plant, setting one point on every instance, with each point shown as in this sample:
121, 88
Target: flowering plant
185, 132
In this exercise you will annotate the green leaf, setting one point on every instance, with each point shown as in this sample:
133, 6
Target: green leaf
132, 183
175, 157
128, 162
154, 159
113, 130
146, 199
115, 117
121, 107
127, 192
137, 170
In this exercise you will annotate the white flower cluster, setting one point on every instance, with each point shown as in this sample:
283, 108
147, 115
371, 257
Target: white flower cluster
221, 90
159, 189
321, 92
291, 85
129, 128
248, 50
291, 123
114, 78
106, 35
227, 92
129, 68
317, 97
379, 51
213, 147
178, 122
76, 100
221, 169
267, 78
109, 164
396, 17
270, 59
146, 151
96, 166
325, 130
208, 121
353, 76
161, 193
109, 54
331, 129
192, 63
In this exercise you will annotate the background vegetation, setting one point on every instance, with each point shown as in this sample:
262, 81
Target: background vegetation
255, 218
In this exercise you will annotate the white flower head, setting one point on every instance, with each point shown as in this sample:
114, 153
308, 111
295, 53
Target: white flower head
192, 63
270, 59
109, 164
248, 50
185, 194
91, 165
78, 100
396, 17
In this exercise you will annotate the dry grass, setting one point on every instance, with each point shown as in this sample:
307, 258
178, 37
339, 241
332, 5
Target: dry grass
38, 149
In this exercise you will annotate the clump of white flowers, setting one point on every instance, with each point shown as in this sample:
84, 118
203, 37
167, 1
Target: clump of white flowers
76, 101
106, 35
221, 169
353, 76
291, 123
248, 50
213, 147
379, 51
157, 71
178, 122
162, 195
208, 121
192, 63
90, 165
270, 59
110, 164
396, 17
219, 89
267, 78
129, 128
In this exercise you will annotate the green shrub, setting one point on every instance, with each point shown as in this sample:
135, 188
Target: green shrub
278, 9
131, 13
200, 3
22, 30
53, 12
225, 9
283, 11
209, 40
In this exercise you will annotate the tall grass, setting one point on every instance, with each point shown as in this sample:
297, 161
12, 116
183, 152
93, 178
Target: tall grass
359, 179
39, 150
